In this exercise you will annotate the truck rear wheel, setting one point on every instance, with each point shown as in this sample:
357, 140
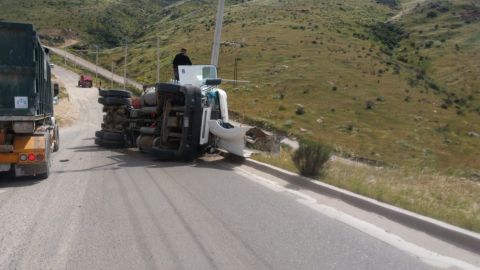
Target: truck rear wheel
56, 145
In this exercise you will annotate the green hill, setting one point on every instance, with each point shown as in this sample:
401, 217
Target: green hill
387, 80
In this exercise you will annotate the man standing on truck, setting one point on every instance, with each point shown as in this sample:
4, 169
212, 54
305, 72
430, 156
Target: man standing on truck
180, 59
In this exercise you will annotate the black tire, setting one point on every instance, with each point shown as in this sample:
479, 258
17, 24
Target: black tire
102, 93
101, 100
118, 93
113, 136
56, 145
98, 141
117, 101
99, 134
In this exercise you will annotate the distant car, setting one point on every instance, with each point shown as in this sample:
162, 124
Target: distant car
85, 81
52, 65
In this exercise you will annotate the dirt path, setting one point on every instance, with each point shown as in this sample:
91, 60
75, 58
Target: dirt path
407, 8
67, 110
69, 42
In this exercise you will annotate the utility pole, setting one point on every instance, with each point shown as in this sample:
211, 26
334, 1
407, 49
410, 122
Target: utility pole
235, 71
96, 65
218, 33
158, 59
125, 66
112, 78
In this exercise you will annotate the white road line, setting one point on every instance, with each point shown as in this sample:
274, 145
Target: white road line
2, 191
425, 255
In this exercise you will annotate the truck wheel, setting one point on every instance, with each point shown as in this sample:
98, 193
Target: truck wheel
117, 101
118, 93
99, 134
101, 100
56, 145
113, 136
98, 141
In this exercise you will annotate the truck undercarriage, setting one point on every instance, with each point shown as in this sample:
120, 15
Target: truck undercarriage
175, 121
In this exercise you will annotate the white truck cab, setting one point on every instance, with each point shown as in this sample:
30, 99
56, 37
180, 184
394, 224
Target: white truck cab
229, 137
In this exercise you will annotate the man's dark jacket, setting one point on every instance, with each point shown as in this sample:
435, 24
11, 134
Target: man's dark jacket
181, 60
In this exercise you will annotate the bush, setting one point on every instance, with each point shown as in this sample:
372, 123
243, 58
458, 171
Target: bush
432, 14
311, 157
369, 105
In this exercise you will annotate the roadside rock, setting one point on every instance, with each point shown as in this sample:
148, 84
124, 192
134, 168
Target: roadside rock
262, 140
473, 134
300, 110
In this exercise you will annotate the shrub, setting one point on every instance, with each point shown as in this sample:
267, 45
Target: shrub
310, 158
432, 14
369, 105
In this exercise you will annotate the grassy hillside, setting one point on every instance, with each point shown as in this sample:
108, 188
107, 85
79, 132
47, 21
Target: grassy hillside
388, 80
103, 22
418, 80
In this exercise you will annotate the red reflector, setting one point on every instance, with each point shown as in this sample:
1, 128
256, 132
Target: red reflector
31, 157
40, 157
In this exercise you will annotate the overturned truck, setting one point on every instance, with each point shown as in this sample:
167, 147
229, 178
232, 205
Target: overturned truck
173, 121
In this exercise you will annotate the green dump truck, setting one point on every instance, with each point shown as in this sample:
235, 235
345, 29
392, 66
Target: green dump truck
28, 130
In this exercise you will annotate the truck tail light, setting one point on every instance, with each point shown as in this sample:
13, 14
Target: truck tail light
40, 157
31, 157
23, 157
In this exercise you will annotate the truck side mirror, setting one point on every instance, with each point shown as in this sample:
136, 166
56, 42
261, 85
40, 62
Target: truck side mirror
56, 89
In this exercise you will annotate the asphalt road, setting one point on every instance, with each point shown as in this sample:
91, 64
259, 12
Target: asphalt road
103, 209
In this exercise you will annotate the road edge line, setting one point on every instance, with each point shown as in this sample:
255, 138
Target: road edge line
452, 234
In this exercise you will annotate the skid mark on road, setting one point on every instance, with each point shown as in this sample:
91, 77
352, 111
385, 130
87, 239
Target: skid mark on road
188, 228
425, 255
135, 222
